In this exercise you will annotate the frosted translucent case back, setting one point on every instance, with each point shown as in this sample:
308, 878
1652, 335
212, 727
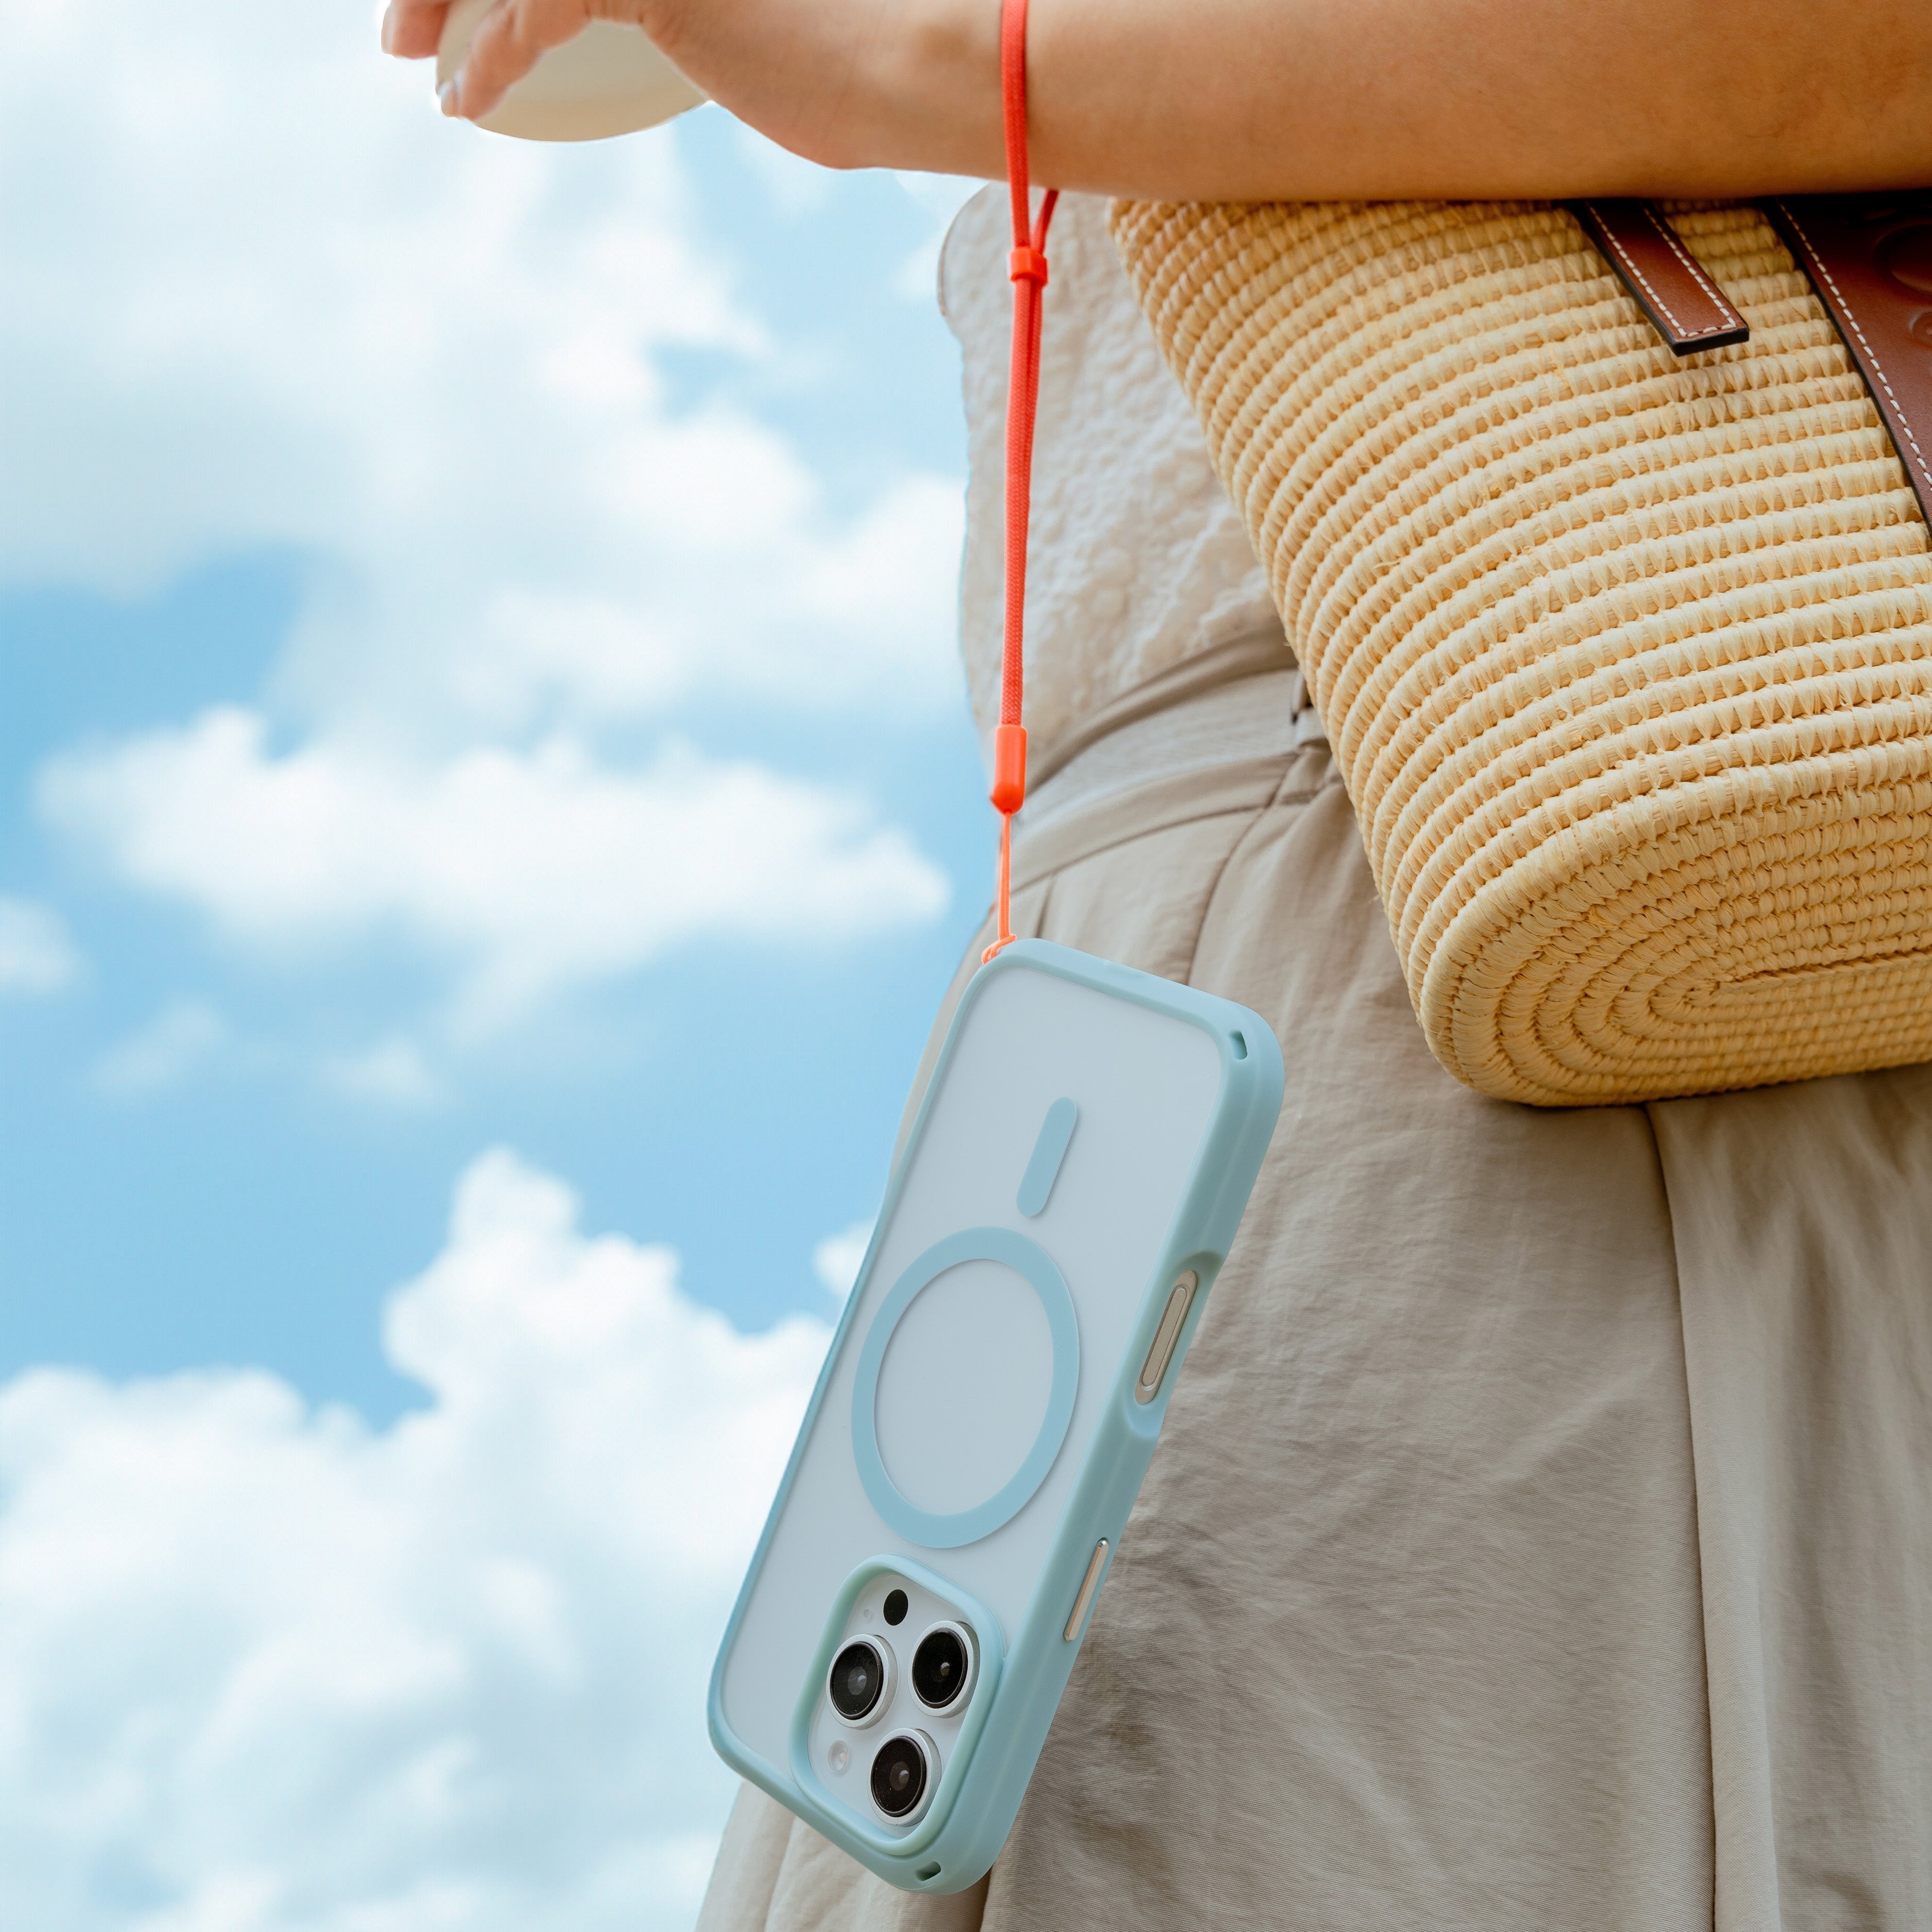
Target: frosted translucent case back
989, 1405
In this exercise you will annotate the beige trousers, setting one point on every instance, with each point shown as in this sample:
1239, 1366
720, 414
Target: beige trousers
1541, 1537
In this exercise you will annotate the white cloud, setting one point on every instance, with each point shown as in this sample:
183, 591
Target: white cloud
37, 955
941, 196
394, 1073
796, 185
258, 291
263, 1668
533, 871
178, 1038
837, 1259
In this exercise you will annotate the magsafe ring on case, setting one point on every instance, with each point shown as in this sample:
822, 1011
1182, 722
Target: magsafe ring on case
1034, 1371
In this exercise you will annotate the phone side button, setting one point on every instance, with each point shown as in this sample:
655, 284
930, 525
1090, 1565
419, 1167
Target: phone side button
1089, 1584
1160, 1350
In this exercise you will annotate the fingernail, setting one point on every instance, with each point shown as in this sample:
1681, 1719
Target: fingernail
446, 94
388, 28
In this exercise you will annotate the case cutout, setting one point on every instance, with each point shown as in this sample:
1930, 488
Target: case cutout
886, 1767
1048, 1151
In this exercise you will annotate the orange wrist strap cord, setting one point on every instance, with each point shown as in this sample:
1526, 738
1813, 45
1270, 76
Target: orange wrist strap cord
1026, 267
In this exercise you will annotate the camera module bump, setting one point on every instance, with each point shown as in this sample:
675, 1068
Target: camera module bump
901, 1773
856, 1681
942, 1666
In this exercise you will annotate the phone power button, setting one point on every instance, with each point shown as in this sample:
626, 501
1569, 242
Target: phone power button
1160, 1350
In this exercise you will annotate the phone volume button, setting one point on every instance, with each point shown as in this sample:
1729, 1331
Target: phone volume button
1089, 1584
1160, 1350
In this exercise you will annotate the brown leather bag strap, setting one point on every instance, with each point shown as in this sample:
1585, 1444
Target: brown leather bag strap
1690, 310
1870, 258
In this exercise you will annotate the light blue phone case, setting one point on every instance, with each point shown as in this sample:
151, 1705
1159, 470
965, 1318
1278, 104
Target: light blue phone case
990, 1404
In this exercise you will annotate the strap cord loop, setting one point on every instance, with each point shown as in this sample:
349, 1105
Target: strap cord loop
1026, 267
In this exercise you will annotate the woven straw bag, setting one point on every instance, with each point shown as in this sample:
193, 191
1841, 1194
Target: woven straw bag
1626, 659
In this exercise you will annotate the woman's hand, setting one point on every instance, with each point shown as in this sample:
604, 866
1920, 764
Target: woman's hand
1295, 100
850, 83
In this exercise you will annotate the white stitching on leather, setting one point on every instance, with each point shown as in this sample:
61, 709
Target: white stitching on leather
1851, 321
1708, 287
1695, 270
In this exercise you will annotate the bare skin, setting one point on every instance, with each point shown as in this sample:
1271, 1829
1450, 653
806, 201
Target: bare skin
1295, 99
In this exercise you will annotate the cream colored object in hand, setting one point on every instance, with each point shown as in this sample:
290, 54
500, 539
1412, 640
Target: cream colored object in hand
609, 80
1626, 661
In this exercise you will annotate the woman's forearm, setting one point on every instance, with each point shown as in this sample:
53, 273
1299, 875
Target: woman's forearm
1309, 99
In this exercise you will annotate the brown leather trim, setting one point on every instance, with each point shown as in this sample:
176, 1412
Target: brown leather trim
1870, 258
1690, 311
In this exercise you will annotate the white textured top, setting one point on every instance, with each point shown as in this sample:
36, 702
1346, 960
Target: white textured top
1137, 559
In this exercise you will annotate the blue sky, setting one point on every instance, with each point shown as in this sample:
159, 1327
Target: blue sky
735, 1097
477, 671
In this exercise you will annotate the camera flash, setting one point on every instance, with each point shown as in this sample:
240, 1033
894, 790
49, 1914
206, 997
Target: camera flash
838, 1757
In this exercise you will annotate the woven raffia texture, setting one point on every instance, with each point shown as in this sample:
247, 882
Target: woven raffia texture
1626, 661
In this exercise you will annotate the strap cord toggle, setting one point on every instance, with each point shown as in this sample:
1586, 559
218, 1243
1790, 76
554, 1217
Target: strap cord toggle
1027, 264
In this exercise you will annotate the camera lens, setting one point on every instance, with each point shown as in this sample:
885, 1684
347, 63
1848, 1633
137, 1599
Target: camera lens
858, 1679
899, 1775
940, 1666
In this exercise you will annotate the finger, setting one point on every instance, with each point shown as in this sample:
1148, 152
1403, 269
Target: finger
411, 28
512, 39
